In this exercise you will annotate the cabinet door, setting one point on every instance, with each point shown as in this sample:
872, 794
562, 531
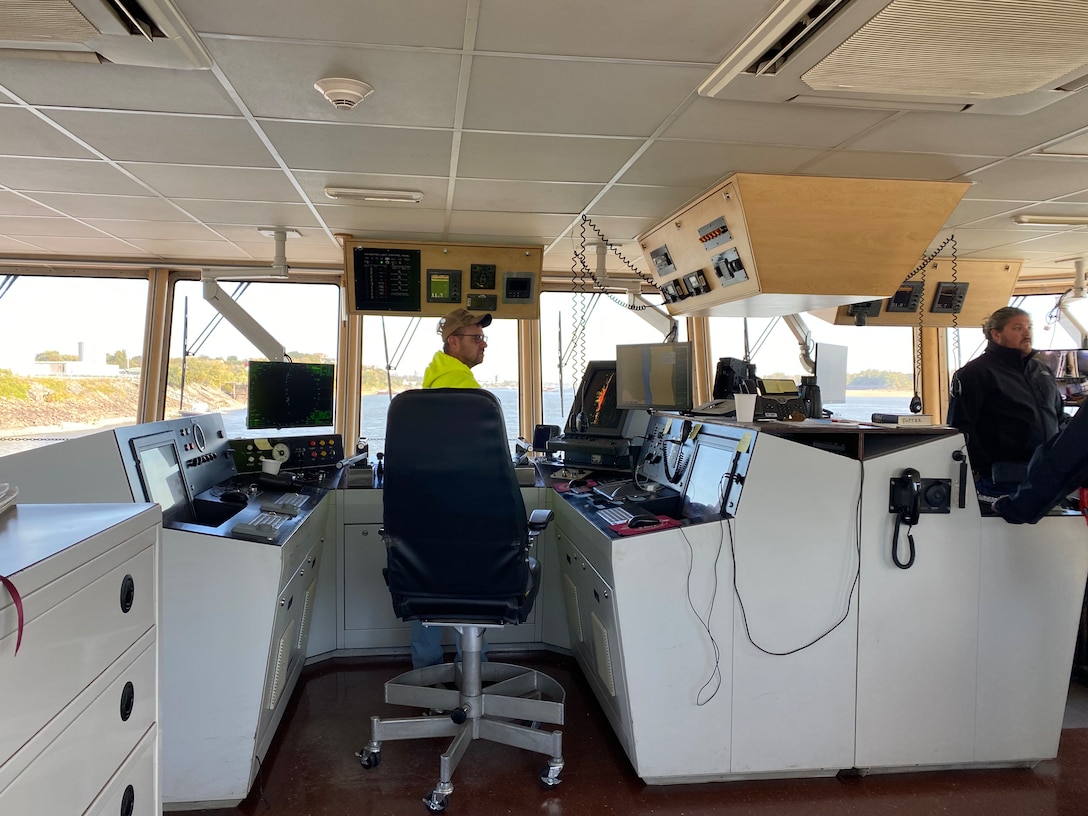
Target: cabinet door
368, 612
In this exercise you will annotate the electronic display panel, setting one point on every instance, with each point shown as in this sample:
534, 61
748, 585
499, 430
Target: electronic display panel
654, 376
709, 479
385, 279
159, 466
290, 395
594, 411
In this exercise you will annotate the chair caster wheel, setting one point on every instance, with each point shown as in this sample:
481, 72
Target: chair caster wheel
369, 759
549, 777
436, 802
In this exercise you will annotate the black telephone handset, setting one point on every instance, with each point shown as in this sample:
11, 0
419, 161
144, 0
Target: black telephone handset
905, 501
906, 496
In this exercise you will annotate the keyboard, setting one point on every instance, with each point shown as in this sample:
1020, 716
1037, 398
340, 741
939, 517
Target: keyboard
289, 505
265, 528
613, 515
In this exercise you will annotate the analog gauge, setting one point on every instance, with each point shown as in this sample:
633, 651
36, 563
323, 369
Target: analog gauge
198, 437
280, 452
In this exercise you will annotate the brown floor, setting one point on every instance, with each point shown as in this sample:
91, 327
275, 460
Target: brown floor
311, 769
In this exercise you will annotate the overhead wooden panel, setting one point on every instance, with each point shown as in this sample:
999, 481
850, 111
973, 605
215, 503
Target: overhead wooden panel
767, 245
929, 298
431, 279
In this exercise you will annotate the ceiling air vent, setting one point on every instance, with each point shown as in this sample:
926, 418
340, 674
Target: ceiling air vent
958, 49
129, 32
812, 21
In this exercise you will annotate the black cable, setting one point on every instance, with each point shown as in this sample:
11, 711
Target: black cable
895, 545
849, 597
716, 671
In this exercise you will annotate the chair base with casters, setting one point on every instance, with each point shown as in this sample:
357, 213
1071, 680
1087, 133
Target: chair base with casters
512, 695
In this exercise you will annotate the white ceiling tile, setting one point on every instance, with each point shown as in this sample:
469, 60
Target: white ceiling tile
521, 225
297, 254
86, 247
680, 30
432, 23
542, 158
231, 183
407, 151
642, 200
170, 248
939, 132
87, 205
65, 176
405, 219
167, 138
528, 95
12, 204
17, 245
866, 164
701, 164
153, 229
970, 210
25, 134
21, 226
271, 214
1032, 178
277, 80
760, 123
523, 196
120, 87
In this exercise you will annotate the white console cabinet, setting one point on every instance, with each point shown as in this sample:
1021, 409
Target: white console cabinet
79, 702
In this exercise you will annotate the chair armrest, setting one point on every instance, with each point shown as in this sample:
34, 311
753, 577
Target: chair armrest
539, 519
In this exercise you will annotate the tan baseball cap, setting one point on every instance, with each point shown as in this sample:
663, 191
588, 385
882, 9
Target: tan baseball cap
459, 319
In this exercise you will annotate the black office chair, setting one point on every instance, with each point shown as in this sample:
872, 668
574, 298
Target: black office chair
457, 543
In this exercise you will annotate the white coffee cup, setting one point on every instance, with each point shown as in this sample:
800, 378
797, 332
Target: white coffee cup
746, 407
270, 466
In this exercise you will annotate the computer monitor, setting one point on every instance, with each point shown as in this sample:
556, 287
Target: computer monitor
654, 376
594, 411
290, 395
831, 372
708, 486
159, 467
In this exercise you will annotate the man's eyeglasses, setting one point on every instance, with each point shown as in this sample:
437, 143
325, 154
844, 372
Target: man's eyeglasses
479, 338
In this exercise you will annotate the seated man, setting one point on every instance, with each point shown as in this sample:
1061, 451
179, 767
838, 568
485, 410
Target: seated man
1005, 402
1057, 468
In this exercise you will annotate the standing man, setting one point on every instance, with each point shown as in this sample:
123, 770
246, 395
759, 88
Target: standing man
463, 344
1005, 402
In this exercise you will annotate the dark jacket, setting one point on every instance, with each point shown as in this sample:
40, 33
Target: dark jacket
1057, 468
1006, 404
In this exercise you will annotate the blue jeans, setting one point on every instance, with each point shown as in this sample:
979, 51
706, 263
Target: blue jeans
426, 645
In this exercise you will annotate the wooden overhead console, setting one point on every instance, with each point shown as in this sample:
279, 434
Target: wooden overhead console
429, 280
766, 245
943, 293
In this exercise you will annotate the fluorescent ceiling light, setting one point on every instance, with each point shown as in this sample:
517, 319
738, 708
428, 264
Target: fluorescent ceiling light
353, 194
1051, 220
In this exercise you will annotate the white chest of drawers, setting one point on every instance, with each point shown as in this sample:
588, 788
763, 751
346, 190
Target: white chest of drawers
79, 702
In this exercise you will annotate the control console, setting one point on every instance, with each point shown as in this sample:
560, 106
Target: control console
292, 452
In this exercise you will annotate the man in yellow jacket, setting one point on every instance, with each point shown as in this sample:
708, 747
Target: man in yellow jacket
463, 344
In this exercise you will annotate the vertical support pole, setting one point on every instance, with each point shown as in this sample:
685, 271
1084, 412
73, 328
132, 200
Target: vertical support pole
935, 376
698, 329
531, 377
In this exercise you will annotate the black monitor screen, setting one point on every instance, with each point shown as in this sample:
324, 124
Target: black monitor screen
654, 375
594, 411
159, 467
708, 479
290, 395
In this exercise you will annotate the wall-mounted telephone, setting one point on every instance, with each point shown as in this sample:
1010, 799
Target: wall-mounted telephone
909, 495
906, 496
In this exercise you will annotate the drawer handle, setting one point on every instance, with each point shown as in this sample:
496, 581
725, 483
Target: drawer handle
128, 801
128, 698
128, 593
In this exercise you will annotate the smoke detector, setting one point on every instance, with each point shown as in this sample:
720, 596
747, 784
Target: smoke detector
342, 92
